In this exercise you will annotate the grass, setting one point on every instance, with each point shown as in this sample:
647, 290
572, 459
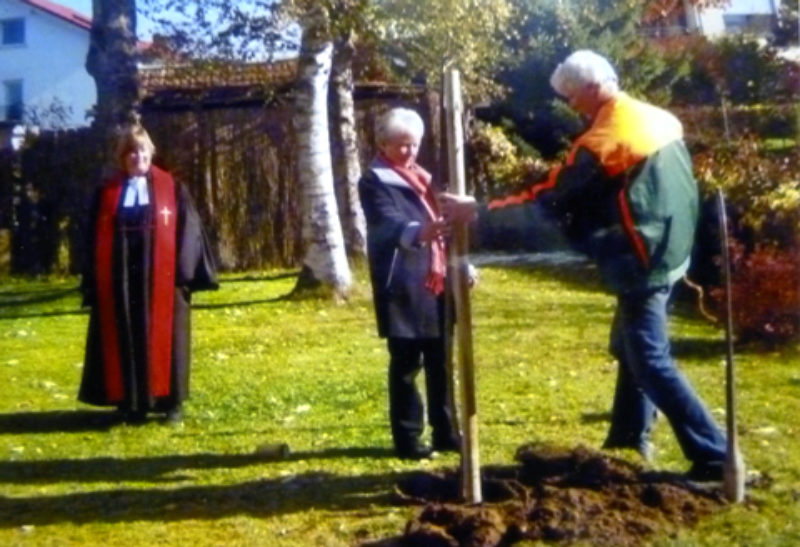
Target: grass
783, 144
312, 374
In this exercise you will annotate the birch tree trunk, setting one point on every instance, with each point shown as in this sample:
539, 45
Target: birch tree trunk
347, 167
112, 63
325, 261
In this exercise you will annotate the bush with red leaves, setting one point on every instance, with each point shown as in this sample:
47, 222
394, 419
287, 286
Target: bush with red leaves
765, 288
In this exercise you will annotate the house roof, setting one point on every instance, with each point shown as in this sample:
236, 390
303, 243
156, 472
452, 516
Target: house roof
62, 12
204, 76
213, 83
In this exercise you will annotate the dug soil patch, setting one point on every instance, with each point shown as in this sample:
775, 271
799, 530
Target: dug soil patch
559, 495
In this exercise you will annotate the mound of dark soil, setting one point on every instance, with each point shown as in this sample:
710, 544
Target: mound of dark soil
554, 495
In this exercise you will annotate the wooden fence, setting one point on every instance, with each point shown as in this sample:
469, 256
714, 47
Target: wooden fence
238, 161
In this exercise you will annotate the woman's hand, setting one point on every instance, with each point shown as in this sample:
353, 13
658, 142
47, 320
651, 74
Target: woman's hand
472, 276
432, 230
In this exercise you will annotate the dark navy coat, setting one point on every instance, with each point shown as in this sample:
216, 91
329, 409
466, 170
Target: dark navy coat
398, 264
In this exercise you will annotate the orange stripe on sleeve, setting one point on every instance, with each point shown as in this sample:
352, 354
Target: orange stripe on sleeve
630, 228
529, 194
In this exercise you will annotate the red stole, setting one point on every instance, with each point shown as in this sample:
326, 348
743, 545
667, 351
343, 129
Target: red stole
162, 285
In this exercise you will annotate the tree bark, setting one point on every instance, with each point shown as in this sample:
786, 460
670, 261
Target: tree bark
112, 63
325, 262
347, 166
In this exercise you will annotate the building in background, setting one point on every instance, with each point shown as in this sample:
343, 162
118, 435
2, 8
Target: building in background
753, 17
756, 17
43, 78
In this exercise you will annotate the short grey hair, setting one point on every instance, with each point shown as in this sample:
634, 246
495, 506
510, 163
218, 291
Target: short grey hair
582, 68
398, 121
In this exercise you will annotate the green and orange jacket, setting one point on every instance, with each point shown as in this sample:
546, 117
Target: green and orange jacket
626, 195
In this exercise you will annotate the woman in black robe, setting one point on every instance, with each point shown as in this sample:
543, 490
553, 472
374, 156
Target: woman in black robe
147, 252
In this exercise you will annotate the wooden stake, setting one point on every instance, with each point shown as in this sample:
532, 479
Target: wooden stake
733, 473
470, 466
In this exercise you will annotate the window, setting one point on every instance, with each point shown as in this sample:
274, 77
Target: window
13, 105
12, 32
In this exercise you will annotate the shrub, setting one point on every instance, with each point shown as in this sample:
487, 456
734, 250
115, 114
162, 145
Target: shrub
738, 68
765, 289
705, 125
498, 164
762, 187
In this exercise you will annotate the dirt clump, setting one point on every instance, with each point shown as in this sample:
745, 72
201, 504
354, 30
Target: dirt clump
554, 494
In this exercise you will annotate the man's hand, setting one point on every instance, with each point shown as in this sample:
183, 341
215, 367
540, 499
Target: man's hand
458, 209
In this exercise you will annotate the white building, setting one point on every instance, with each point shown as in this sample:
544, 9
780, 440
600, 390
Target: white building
43, 79
752, 16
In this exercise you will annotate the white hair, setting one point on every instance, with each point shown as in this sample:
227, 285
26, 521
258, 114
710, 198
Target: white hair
399, 121
582, 68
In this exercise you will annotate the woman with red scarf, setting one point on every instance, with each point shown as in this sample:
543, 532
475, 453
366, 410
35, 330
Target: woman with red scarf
407, 259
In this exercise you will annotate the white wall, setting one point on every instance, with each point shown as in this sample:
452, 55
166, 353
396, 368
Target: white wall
752, 7
50, 64
711, 21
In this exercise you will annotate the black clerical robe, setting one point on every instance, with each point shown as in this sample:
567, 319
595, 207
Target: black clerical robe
143, 264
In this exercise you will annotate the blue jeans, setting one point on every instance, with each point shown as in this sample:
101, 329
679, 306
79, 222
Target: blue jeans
648, 379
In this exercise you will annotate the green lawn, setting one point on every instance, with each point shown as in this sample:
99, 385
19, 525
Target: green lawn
312, 374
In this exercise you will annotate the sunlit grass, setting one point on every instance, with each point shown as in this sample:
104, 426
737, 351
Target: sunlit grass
779, 144
312, 374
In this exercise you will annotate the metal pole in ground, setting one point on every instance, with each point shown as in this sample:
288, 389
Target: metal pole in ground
470, 466
733, 474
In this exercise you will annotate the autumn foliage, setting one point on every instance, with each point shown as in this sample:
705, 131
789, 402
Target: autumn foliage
763, 191
765, 292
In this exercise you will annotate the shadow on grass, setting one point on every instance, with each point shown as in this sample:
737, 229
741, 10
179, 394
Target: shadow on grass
250, 279
85, 311
161, 469
265, 277
56, 421
9, 301
32, 297
57, 313
710, 347
595, 417
24, 298
697, 347
270, 430
258, 498
240, 304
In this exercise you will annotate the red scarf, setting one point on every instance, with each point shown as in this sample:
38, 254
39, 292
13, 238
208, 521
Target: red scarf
420, 181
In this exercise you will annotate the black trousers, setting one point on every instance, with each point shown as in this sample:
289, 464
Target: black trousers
407, 357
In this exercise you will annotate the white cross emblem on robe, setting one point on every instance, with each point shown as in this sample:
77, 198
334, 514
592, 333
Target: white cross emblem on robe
165, 212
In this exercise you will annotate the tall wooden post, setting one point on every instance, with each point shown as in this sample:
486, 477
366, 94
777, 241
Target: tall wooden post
470, 464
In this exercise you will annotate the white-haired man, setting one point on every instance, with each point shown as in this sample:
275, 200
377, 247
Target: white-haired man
626, 196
